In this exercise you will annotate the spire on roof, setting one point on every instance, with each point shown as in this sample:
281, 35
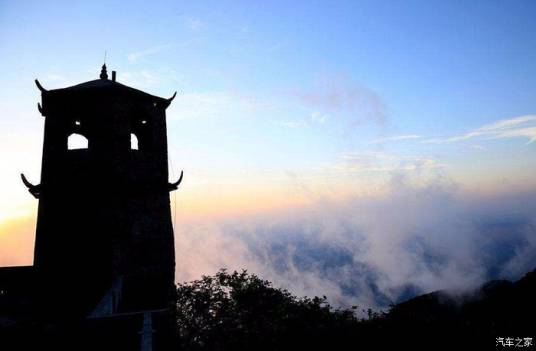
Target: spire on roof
103, 72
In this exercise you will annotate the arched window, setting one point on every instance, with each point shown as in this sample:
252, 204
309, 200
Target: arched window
133, 142
77, 141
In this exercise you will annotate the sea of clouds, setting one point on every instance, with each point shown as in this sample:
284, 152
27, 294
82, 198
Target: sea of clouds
372, 251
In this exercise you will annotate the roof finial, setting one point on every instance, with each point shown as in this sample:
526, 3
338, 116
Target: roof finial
103, 73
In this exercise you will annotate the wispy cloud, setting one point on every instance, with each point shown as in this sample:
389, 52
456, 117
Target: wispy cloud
360, 162
346, 100
478, 147
194, 24
396, 138
135, 56
150, 78
522, 126
293, 124
215, 104
279, 45
316, 118
140, 79
529, 133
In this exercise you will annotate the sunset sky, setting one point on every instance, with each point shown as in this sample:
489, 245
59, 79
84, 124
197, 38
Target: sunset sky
383, 118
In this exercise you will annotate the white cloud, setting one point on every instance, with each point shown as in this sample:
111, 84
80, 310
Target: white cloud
194, 24
529, 132
396, 138
140, 79
150, 79
478, 147
293, 124
508, 123
382, 162
317, 117
135, 56
213, 104
506, 128
345, 100
367, 251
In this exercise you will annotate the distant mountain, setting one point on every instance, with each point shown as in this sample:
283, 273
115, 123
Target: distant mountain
498, 309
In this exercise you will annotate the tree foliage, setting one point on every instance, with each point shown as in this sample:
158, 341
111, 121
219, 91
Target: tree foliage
239, 311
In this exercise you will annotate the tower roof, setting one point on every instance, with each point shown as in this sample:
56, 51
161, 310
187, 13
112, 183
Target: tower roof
102, 87
105, 85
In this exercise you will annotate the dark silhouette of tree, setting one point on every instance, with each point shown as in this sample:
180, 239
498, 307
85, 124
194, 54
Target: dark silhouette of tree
240, 311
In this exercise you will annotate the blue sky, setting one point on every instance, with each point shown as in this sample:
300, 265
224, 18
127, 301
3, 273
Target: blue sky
271, 89
437, 69
290, 104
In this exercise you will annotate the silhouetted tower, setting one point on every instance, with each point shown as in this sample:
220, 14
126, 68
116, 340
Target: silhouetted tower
104, 238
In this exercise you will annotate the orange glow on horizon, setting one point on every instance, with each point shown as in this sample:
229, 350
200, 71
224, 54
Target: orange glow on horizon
17, 237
